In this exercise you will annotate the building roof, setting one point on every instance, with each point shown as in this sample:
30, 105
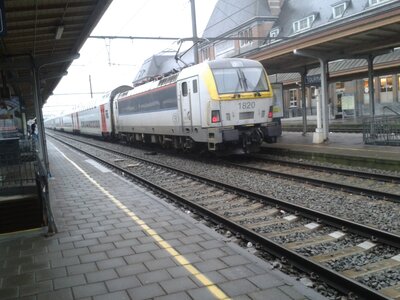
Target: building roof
46, 36
372, 31
293, 10
232, 14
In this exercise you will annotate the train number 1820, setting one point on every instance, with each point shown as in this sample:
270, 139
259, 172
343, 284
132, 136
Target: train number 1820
247, 105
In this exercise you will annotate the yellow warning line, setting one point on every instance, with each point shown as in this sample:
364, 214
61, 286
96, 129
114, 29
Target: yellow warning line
217, 292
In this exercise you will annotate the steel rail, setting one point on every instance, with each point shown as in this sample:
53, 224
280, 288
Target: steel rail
333, 278
324, 183
379, 177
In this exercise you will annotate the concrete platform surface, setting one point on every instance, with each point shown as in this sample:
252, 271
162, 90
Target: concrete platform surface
118, 241
339, 144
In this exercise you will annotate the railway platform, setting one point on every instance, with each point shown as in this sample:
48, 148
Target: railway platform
346, 148
116, 240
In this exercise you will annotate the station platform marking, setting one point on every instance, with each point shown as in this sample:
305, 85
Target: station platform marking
216, 291
98, 166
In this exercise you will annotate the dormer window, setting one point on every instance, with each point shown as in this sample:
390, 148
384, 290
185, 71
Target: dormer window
303, 24
376, 2
206, 53
274, 33
339, 9
247, 33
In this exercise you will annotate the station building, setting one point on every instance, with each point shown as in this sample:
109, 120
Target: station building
268, 23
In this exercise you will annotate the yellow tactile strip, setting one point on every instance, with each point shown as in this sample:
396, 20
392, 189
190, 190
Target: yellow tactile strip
217, 292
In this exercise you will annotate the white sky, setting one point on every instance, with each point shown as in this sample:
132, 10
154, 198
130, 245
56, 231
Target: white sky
112, 66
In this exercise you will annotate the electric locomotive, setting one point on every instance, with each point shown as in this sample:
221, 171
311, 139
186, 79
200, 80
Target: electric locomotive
222, 105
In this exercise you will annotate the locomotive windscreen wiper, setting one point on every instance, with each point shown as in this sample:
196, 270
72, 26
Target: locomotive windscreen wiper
239, 85
243, 80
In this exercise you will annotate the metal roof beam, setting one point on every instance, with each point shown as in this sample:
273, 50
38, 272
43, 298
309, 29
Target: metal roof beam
43, 61
16, 63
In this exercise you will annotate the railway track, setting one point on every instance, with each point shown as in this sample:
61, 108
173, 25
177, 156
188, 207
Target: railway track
279, 227
386, 187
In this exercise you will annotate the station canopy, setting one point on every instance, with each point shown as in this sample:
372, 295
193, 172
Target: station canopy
373, 33
42, 36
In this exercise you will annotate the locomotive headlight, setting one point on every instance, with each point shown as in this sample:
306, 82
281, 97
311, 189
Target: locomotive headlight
271, 112
215, 116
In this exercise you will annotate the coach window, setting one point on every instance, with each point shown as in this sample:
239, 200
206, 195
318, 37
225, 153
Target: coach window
386, 89
194, 86
293, 98
184, 89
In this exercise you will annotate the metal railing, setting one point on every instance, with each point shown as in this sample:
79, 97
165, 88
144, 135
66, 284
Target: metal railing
390, 109
17, 168
21, 170
382, 130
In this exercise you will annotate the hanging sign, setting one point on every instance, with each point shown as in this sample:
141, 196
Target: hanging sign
313, 79
2, 19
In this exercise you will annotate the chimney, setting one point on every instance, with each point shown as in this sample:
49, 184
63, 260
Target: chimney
275, 6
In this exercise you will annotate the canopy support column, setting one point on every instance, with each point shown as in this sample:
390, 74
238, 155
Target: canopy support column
320, 135
303, 100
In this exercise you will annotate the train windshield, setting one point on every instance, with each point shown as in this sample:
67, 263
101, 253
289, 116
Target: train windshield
240, 80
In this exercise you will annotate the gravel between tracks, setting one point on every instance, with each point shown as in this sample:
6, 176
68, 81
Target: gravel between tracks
365, 210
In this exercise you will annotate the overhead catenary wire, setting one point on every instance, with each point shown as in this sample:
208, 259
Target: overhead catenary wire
210, 39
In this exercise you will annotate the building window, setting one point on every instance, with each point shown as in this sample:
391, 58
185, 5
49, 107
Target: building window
274, 33
303, 24
223, 48
340, 90
293, 98
386, 89
366, 92
376, 2
206, 53
247, 33
339, 9
398, 88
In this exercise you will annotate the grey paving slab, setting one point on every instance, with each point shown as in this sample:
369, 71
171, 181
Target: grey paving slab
64, 294
69, 281
51, 274
99, 276
123, 283
121, 295
101, 253
82, 268
87, 290
148, 291
177, 285
131, 269
238, 287
270, 294
36, 288
154, 276
176, 296
236, 272
201, 294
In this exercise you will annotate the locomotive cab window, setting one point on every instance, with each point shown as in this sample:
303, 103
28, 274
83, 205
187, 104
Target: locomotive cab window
239, 80
184, 89
194, 86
